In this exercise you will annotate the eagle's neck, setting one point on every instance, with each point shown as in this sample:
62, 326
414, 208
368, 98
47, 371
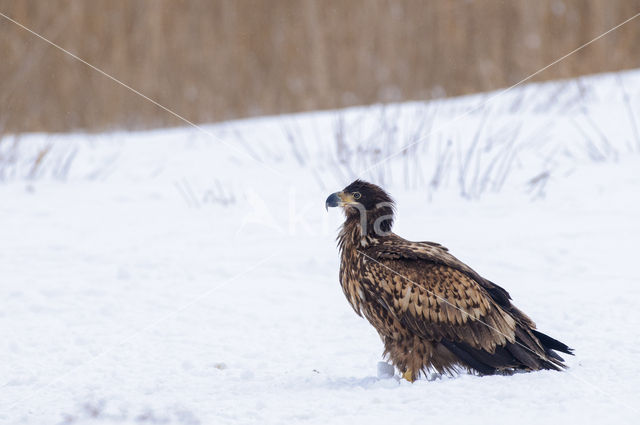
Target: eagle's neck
357, 233
350, 236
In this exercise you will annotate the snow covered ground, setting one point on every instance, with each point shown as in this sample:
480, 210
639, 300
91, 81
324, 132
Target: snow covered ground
170, 277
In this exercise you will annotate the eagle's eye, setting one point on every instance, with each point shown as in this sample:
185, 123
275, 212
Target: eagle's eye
356, 195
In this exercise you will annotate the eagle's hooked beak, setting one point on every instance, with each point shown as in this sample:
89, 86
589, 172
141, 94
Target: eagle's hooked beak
338, 199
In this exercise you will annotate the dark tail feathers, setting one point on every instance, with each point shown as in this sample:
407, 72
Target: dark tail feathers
522, 354
550, 344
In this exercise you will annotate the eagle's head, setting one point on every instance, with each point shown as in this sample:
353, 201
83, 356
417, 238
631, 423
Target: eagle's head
365, 202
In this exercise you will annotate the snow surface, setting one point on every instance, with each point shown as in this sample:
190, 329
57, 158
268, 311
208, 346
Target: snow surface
166, 277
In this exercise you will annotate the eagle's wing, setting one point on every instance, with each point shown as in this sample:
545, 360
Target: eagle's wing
441, 299
398, 248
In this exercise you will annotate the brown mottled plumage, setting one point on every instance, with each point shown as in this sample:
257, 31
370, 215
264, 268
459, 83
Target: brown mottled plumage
432, 311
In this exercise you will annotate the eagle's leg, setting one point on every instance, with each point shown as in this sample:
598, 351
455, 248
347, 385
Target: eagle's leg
408, 375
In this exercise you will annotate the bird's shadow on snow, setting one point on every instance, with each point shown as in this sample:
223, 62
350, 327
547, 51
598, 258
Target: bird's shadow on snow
374, 382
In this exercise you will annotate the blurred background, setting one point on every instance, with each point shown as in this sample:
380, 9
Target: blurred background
218, 60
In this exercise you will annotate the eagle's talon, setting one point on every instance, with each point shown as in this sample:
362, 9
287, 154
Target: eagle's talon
408, 375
